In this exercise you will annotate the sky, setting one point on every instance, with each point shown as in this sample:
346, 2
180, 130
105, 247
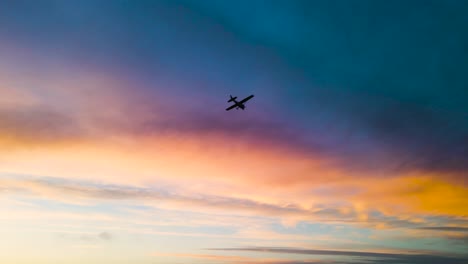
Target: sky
115, 146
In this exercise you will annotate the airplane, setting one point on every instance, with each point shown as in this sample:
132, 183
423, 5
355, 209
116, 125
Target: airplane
239, 104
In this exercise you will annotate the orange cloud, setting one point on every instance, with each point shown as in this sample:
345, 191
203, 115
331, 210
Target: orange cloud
220, 167
414, 193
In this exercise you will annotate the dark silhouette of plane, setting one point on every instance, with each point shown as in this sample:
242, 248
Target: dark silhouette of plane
239, 104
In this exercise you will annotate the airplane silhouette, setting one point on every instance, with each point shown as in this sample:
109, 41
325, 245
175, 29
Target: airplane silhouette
239, 104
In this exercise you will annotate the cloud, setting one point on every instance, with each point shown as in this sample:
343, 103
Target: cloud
367, 257
37, 125
208, 257
461, 240
240, 259
105, 236
53, 186
347, 83
89, 192
87, 237
445, 228
255, 129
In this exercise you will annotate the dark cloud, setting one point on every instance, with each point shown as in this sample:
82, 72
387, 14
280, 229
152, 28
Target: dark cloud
459, 240
446, 228
254, 130
455, 235
364, 257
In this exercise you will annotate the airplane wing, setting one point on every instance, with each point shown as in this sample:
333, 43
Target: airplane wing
246, 99
231, 107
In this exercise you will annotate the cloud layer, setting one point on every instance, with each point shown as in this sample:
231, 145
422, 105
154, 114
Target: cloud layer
113, 129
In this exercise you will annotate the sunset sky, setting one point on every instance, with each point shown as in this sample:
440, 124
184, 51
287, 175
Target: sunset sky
115, 146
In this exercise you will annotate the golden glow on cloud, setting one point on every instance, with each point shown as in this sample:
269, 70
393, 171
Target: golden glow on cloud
192, 165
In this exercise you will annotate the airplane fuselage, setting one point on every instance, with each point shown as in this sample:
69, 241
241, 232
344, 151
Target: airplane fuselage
238, 105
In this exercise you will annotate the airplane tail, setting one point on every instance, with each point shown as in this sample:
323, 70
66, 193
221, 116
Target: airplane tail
232, 98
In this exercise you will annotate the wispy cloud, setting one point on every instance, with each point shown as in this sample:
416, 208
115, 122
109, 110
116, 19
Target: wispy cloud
36, 125
209, 257
445, 228
60, 188
64, 187
87, 237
